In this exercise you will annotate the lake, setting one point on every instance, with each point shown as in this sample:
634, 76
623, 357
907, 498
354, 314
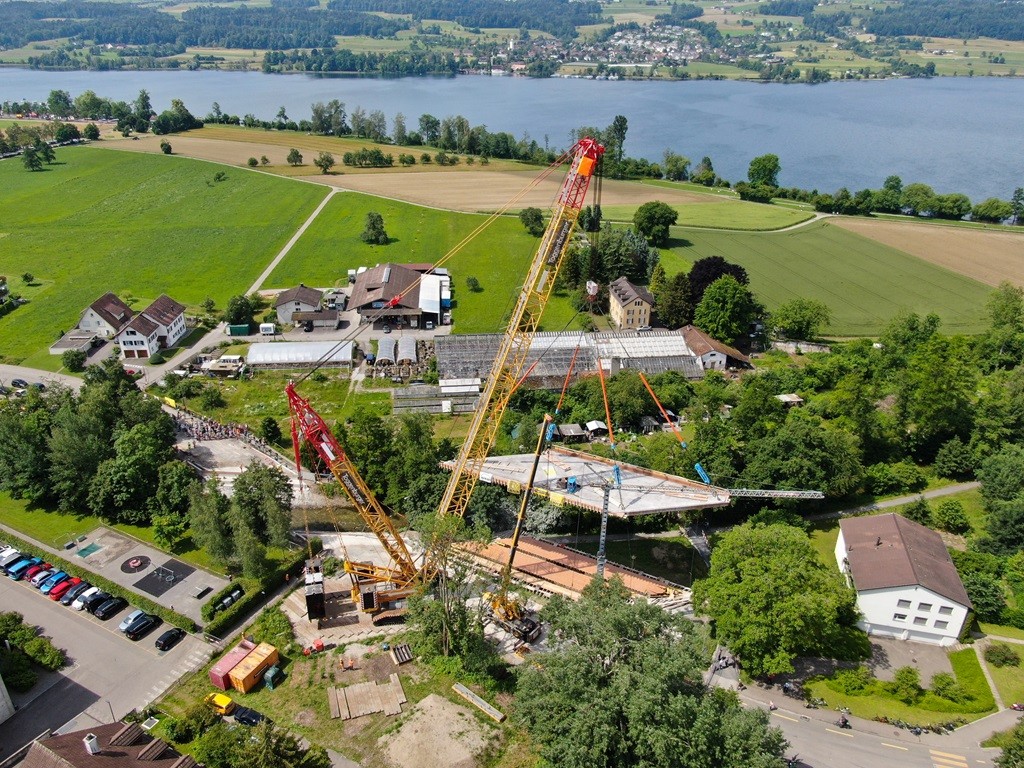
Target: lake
956, 134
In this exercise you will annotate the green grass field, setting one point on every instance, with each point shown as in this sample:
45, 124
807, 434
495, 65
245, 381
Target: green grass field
864, 282
129, 222
737, 215
498, 258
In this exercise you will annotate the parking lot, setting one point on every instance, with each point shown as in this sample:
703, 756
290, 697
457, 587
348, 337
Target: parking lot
107, 675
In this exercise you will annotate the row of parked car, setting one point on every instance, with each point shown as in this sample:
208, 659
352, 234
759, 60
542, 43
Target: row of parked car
80, 595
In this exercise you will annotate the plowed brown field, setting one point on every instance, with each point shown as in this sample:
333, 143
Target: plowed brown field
988, 256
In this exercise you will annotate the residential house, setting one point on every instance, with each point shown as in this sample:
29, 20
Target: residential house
713, 354
630, 305
106, 316
298, 299
390, 292
111, 745
158, 326
907, 586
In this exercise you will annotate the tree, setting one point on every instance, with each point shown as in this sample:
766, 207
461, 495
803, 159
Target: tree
208, 513
764, 171
906, 684
175, 481
704, 172
1017, 205
91, 132
617, 137
1012, 755
652, 221
726, 311
165, 147
772, 599
30, 158
993, 209
73, 360
918, 198
264, 160
262, 502
954, 460
430, 129
918, 511
672, 302
1005, 527
950, 516
324, 161
658, 281
801, 318
986, 594
675, 167
473, 284
294, 157
533, 220
239, 311
120, 489
705, 271
399, 133
622, 687
270, 430
252, 162
374, 232
936, 395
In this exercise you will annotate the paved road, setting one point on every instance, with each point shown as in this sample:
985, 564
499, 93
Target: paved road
109, 674
31, 375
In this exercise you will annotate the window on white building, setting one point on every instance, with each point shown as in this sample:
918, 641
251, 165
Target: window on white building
941, 624
945, 610
920, 621
902, 603
924, 606
899, 617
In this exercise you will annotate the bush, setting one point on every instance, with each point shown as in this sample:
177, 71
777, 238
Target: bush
211, 398
950, 516
852, 682
165, 147
16, 671
196, 720
91, 132
44, 653
1002, 655
986, 593
945, 686
901, 477
906, 685
918, 511
954, 460
73, 360
252, 162
273, 626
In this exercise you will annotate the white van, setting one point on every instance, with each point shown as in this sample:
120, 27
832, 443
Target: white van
268, 329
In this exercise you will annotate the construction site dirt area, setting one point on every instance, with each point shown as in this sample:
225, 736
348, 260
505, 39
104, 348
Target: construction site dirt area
438, 732
988, 256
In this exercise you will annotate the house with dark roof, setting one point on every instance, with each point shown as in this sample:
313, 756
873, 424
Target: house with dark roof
106, 316
301, 298
112, 745
158, 326
629, 306
907, 586
713, 354
387, 291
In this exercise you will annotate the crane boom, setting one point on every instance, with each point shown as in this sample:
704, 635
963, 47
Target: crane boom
755, 493
320, 438
511, 357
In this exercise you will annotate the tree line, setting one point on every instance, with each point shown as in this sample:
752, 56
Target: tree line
961, 19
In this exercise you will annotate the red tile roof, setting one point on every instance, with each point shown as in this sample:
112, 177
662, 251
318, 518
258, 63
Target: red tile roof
701, 343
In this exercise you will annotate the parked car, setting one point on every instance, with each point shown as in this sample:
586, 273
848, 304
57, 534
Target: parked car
220, 703
69, 597
19, 383
34, 570
61, 589
131, 617
79, 602
94, 601
8, 555
112, 606
169, 639
37, 385
41, 576
17, 569
4, 391
47, 586
142, 626
249, 717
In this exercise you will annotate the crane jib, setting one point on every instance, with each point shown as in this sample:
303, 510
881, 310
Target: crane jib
556, 249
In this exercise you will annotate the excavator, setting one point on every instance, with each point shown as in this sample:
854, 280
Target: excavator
381, 590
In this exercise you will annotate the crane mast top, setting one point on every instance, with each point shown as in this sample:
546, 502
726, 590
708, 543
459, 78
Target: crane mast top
511, 357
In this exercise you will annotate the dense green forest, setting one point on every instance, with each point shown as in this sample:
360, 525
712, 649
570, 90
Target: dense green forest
558, 17
951, 18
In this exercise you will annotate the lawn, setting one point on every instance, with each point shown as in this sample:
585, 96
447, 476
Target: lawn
1009, 681
134, 223
734, 214
864, 282
54, 529
498, 258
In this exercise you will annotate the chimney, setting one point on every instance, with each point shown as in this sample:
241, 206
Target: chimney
92, 744
878, 541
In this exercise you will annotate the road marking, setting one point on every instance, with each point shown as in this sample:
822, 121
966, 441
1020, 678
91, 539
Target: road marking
894, 746
839, 733
786, 717
936, 753
949, 762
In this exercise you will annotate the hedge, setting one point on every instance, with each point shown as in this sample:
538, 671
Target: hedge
171, 617
253, 594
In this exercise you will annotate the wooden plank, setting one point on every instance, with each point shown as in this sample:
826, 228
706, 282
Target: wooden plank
396, 681
389, 700
332, 702
343, 704
479, 703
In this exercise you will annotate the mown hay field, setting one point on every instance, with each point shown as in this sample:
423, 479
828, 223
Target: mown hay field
102, 221
864, 282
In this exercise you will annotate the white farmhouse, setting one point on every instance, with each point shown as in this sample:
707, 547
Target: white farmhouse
298, 299
105, 316
907, 586
713, 354
158, 326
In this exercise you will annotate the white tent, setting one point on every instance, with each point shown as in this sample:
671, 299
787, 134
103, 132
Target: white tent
299, 354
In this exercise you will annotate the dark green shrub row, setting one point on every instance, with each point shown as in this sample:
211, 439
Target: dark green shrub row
249, 586
254, 592
171, 617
